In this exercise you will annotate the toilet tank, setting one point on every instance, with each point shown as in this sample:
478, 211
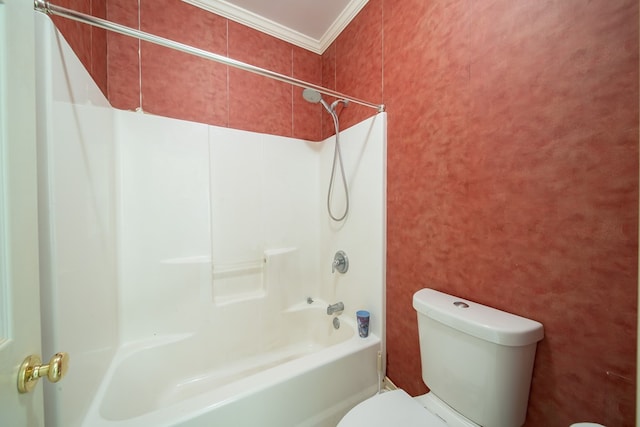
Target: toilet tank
476, 359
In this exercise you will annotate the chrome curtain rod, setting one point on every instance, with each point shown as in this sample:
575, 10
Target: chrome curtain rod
51, 9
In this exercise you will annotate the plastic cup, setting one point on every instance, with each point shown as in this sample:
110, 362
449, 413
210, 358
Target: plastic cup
363, 323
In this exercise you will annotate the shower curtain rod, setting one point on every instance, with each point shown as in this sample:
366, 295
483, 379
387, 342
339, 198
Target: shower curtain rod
51, 9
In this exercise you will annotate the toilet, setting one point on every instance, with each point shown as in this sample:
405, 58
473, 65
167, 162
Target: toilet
477, 362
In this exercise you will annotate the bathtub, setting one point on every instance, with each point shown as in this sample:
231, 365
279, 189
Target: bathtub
295, 369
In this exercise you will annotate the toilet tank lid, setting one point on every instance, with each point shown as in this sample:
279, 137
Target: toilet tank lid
478, 320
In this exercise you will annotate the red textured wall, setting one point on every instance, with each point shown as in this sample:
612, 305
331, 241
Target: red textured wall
512, 160
89, 43
513, 181
174, 84
165, 82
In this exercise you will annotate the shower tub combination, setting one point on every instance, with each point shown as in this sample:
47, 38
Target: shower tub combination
166, 335
294, 373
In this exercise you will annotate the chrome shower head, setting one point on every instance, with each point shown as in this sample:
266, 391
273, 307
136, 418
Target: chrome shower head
311, 95
314, 97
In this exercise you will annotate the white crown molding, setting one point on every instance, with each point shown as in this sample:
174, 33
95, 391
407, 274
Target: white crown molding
257, 22
340, 23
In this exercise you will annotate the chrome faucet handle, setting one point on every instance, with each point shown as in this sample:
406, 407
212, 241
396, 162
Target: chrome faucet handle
340, 263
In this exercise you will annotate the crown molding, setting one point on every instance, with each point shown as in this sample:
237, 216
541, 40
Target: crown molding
341, 22
257, 22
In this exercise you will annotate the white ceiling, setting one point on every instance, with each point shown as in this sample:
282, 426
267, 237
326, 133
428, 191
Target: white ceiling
310, 24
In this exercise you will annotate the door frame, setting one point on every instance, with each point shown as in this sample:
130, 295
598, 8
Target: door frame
19, 272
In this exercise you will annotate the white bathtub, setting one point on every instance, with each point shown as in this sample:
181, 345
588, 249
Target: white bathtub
297, 370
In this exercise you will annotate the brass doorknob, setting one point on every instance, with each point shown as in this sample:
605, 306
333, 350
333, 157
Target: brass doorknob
32, 370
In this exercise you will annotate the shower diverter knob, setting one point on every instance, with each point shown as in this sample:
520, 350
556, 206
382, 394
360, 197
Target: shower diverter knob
340, 262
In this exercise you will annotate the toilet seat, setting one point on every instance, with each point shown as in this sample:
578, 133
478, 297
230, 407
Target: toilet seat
393, 408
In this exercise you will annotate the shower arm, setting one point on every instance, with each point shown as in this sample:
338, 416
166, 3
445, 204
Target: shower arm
51, 9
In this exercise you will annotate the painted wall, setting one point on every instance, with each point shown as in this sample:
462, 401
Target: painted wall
512, 179
161, 81
88, 43
512, 161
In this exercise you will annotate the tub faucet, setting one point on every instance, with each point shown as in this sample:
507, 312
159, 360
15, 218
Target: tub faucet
335, 308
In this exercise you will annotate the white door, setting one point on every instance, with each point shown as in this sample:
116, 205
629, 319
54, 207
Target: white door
19, 288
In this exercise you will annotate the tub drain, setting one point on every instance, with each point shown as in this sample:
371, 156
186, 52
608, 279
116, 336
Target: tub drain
336, 323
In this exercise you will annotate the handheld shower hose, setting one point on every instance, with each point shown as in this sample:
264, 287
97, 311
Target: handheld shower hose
314, 96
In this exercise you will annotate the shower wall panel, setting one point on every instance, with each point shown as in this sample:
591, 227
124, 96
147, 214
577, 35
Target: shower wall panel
201, 209
362, 235
163, 223
272, 205
77, 210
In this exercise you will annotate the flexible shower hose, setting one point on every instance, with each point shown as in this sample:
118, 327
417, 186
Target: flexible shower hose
337, 154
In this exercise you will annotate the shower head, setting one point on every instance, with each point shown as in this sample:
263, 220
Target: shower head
314, 97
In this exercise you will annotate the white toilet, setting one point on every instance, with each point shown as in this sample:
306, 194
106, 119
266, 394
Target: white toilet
477, 362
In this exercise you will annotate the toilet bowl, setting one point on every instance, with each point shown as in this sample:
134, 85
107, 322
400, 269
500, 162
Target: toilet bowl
477, 362
393, 408
398, 408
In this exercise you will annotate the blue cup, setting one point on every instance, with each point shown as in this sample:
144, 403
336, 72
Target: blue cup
363, 323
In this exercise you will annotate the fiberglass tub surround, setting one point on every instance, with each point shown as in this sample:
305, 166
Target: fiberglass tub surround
212, 379
207, 368
180, 257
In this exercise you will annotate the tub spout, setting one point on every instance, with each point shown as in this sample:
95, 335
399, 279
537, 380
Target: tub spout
335, 308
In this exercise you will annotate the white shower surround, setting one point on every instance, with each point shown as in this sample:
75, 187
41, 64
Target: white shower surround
134, 207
